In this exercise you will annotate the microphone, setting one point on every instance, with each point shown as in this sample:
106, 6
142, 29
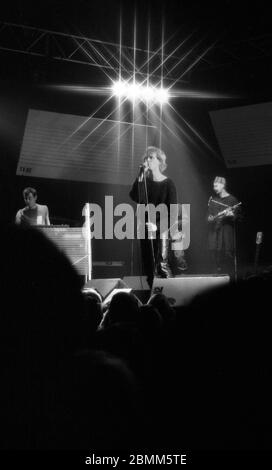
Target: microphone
142, 170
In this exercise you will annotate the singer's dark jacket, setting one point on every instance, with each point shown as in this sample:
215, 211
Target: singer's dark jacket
158, 192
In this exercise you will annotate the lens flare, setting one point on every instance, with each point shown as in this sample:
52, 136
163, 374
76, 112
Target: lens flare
136, 91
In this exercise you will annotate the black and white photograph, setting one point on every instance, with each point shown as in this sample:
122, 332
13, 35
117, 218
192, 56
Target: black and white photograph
136, 267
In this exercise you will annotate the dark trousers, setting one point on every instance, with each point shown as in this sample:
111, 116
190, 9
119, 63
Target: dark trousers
155, 258
223, 262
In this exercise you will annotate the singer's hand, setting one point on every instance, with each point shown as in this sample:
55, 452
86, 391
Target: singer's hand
210, 218
151, 227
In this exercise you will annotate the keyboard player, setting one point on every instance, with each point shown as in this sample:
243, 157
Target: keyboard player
32, 213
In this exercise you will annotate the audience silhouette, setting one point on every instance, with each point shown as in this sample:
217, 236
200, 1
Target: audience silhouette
138, 377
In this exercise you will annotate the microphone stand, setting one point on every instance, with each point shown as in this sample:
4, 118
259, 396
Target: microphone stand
235, 243
259, 239
148, 215
235, 251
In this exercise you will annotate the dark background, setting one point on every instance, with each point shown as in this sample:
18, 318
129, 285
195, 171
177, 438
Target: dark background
239, 65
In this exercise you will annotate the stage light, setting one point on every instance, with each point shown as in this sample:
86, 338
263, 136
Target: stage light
135, 91
148, 94
119, 89
162, 95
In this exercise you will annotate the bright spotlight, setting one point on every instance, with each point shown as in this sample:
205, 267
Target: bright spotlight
135, 91
162, 95
148, 94
119, 89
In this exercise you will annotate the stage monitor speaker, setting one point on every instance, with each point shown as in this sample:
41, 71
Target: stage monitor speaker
136, 282
107, 288
108, 269
181, 290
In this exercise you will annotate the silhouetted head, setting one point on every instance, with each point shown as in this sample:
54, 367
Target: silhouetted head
124, 307
150, 320
161, 303
40, 292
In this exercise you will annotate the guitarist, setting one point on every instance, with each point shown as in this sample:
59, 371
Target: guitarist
223, 211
